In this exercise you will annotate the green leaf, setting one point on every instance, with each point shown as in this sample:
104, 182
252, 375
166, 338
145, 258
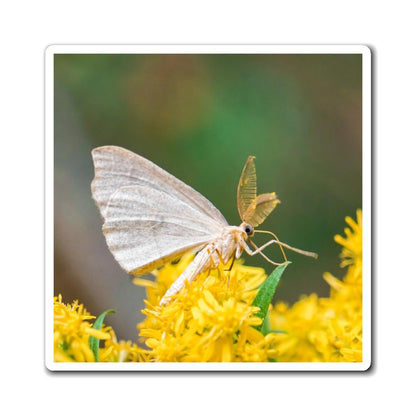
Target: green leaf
266, 292
95, 342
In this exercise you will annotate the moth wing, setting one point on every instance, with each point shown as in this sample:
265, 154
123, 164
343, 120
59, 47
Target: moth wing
145, 228
260, 208
116, 167
247, 187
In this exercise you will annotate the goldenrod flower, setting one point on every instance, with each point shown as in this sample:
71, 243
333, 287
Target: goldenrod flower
352, 250
327, 329
120, 351
72, 331
210, 320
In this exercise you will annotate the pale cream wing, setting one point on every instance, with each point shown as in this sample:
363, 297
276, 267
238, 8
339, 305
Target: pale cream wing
116, 167
147, 227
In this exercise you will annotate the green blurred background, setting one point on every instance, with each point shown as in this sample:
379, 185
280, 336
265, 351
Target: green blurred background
199, 117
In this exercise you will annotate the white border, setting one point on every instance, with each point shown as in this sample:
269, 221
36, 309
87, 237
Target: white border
206, 49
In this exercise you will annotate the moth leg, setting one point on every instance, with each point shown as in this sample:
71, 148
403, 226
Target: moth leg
264, 256
281, 245
229, 270
260, 250
224, 262
215, 257
231, 266
214, 265
275, 237
198, 265
219, 255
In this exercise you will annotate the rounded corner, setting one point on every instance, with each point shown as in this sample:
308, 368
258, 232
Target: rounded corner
50, 49
367, 366
49, 366
366, 50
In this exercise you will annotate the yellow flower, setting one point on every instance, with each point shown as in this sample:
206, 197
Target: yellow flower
326, 329
120, 351
72, 331
210, 320
352, 250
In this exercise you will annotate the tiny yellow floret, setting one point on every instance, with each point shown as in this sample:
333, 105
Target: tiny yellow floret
73, 327
209, 320
327, 329
212, 319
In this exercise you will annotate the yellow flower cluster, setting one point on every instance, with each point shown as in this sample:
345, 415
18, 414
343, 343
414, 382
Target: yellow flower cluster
326, 329
72, 331
210, 320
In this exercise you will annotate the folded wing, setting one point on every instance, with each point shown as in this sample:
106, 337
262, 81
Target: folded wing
146, 227
116, 167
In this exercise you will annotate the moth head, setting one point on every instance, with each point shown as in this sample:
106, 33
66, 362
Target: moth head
247, 228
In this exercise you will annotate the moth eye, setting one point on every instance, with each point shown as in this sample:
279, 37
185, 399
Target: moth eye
248, 230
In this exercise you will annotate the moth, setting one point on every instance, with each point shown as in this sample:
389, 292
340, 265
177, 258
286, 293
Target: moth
152, 218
